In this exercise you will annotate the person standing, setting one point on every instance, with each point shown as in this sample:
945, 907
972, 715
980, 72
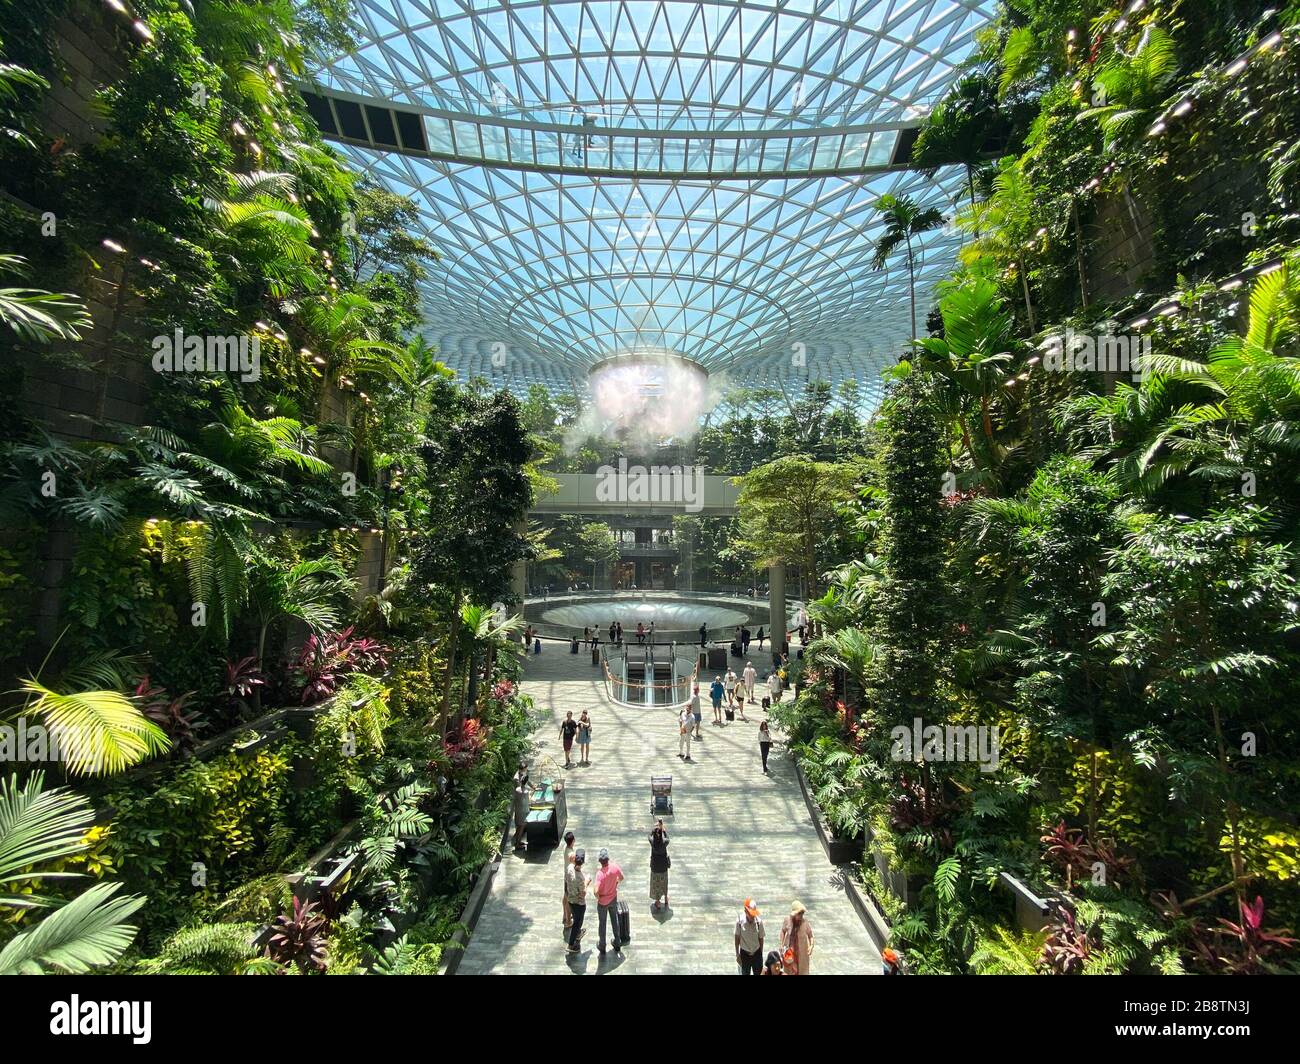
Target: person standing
564, 894
613, 634
774, 686
744, 639
568, 729
764, 743
608, 878
640, 633
586, 636
749, 939
652, 633
760, 637
749, 676
715, 695
704, 635
576, 882
797, 938
584, 739
521, 803
618, 629
660, 862
685, 724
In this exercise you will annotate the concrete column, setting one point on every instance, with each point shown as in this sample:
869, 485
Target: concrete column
776, 604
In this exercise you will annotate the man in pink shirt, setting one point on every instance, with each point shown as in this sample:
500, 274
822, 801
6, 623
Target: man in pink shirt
607, 881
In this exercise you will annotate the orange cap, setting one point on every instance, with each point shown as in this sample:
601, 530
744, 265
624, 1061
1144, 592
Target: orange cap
750, 907
890, 956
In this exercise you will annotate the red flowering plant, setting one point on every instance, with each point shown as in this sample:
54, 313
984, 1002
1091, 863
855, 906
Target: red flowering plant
168, 713
503, 691
323, 664
1245, 948
464, 747
1067, 946
956, 498
1076, 858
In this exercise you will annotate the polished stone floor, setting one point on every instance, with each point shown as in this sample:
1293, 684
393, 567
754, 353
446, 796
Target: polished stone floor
735, 833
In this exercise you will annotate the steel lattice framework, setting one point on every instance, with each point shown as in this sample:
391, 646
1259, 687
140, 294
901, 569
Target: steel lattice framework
550, 265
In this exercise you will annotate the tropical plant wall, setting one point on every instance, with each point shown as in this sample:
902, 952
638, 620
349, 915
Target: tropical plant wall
244, 654
1087, 558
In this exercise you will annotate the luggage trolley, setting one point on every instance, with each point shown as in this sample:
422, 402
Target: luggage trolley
661, 795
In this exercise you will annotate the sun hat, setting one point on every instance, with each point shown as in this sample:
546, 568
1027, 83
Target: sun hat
796, 908
750, 907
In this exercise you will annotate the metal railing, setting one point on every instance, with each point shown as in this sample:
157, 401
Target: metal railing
649, 692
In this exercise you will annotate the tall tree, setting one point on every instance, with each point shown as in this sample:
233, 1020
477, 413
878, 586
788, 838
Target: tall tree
905, 220
475, 460
788, 507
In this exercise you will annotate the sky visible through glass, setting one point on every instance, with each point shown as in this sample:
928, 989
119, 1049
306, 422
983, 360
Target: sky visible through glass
760, 281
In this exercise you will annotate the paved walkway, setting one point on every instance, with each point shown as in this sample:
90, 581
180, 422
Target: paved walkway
735, 833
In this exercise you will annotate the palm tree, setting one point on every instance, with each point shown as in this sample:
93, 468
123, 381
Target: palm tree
971, 356
39, 828
486, 634
851, 650
93, 727
1235, 413
37, 316
960, 127
904, 220
306, 591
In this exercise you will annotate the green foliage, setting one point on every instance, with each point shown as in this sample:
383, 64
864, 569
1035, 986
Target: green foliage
38, 829
225, 815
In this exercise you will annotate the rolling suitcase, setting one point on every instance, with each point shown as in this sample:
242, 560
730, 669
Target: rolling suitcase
731, 714
624, 922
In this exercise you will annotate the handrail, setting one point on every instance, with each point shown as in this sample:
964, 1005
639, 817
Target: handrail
620, 690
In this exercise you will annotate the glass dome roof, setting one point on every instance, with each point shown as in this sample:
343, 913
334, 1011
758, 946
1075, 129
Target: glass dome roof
551, 265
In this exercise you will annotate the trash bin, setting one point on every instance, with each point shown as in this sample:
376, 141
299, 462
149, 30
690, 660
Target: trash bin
595, 655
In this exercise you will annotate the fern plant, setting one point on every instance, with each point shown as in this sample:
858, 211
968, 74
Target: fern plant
210, 949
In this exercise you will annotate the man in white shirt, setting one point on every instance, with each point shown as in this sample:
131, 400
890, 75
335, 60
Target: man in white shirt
749, 940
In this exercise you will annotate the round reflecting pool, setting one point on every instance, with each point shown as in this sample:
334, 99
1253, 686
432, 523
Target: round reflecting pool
667, 613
